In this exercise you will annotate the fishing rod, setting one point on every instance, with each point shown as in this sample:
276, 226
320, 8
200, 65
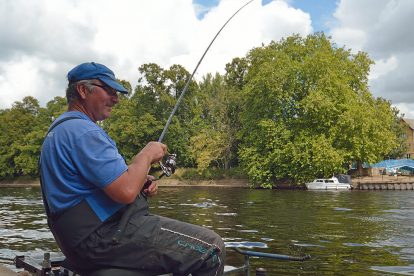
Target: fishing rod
164, 131
168, 167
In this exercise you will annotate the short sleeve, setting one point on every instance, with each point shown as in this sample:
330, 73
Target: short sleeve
97, 159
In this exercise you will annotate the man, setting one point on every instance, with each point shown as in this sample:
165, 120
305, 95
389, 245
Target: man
87, 186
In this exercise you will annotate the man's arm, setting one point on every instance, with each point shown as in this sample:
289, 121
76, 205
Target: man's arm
126, 188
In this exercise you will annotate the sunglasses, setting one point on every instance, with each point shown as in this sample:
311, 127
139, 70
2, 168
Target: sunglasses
110, 91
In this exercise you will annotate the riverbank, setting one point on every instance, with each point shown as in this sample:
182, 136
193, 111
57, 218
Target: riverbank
379, 179
231, 182
165, 182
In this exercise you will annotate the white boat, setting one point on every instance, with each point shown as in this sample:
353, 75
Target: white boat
327, 184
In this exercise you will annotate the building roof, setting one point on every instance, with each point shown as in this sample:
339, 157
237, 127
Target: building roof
409, 122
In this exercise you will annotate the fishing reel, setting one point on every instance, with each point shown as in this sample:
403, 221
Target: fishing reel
168, 167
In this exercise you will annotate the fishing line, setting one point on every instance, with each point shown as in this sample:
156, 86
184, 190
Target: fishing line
195, 70
168, 167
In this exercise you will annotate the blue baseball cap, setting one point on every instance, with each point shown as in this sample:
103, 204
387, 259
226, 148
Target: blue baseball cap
93, 70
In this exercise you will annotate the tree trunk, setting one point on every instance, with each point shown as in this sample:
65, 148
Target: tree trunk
360, 169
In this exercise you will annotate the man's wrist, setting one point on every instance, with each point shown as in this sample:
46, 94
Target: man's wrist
141, 158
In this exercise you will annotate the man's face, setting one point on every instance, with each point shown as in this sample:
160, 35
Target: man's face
99, 101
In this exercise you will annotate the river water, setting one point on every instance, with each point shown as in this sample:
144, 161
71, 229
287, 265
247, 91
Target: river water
346, 233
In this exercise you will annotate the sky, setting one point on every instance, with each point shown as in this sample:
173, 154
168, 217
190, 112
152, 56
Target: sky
41, 40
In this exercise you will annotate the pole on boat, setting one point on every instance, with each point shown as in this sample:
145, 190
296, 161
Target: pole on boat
270, 255
261, 271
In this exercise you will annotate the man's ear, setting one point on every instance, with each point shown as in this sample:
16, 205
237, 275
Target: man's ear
82, 90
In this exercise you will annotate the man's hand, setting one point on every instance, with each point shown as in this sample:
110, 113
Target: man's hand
152, 189
155, 151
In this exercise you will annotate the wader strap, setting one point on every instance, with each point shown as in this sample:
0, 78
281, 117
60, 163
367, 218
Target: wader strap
48, 213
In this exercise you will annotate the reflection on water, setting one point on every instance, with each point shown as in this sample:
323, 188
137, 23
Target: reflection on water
346, 233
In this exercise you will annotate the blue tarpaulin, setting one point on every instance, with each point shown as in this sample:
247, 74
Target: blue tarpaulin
395, 164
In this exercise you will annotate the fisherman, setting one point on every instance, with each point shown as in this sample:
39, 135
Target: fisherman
87, 187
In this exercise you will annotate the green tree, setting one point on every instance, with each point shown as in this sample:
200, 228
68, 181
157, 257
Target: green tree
54, 108
236, 72
398, 127
215, 142
130, 129
308, 112
140, 117
19, 144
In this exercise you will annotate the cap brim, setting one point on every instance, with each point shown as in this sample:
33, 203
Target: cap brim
113, 84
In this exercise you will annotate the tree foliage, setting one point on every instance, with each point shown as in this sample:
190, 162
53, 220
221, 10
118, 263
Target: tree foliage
285, 113
215, 141
308, 112
22, 128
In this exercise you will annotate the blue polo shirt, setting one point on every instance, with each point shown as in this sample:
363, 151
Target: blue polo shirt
78, 160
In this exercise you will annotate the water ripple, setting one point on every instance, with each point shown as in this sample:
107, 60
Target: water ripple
226, 214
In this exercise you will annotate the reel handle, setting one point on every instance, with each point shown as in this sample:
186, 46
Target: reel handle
147, 184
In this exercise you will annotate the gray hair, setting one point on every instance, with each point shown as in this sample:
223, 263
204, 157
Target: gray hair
72, 92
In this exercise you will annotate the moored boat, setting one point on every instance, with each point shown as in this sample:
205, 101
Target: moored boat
327, 184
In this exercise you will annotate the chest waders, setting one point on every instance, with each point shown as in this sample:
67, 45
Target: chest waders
72, 225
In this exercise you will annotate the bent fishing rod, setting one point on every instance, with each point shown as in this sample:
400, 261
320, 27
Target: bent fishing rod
164, 131
168, 167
